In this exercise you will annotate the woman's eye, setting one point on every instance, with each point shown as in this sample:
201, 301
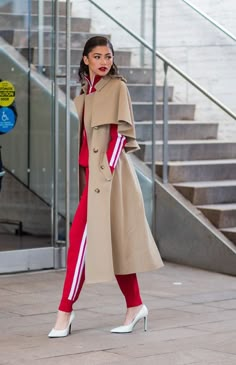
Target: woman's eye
96, 57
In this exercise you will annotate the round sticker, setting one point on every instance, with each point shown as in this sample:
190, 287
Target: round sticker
7, 120
7, 93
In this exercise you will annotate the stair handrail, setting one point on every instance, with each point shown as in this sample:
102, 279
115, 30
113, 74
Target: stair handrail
168, 62
211, 20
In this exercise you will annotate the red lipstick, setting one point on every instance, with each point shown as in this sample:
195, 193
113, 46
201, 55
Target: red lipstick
103, 69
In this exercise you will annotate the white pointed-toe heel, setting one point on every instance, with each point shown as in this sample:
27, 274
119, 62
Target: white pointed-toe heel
142, 314
62, 333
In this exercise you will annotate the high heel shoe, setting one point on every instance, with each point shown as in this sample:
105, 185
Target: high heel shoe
143, 313
62, 333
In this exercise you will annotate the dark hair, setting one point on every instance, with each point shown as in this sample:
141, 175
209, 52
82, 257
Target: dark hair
89, 46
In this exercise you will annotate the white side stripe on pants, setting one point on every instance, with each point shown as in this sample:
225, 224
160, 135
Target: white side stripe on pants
79, 266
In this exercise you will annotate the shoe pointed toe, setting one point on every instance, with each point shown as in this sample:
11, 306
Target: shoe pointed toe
62, 333
122, 329
142, 314
58, 333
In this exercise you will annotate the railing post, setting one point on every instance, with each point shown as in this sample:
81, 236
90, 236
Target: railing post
55, 133
165, 150
67, 141
154, 98
142, 31
28, 22
40, 35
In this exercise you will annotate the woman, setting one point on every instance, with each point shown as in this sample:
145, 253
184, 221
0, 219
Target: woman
110, 224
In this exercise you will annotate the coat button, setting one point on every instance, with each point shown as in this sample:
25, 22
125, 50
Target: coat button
95, 150
97, 190
96, 127
102, 167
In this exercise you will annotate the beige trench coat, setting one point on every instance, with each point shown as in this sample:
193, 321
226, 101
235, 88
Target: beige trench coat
119, 240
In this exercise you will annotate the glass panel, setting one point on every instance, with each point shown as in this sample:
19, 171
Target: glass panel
26, 195
27, 42
60, 168
146, 187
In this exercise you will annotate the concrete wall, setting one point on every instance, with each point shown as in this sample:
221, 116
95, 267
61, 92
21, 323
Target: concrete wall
127, 12
203, 52
188, 40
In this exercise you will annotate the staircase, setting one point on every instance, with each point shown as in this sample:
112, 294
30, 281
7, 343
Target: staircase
201, 168
204, 172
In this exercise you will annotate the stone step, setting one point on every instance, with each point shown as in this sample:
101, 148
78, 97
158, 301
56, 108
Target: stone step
131, 74
206, 170
137, 94
221, 215
230, 233
19, 38
18, 22
134, 74
190, 150
208, 192
122, 57
143, 93
177, 130
8, 8
177, 111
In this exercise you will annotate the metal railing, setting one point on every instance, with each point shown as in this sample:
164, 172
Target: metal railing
167, 64
211, 20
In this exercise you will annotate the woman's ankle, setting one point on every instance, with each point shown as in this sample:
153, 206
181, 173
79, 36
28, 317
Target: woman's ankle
62, 320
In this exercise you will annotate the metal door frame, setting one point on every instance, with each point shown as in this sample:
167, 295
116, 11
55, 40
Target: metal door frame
61, 246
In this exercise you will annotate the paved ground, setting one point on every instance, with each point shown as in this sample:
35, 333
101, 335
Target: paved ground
192, 320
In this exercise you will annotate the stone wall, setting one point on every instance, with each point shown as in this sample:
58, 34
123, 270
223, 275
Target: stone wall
197, 47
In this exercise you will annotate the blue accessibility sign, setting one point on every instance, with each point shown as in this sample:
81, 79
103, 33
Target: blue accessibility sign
7, 120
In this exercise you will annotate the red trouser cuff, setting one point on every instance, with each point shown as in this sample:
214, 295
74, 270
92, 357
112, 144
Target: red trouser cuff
129, 287
66, 306
133, 302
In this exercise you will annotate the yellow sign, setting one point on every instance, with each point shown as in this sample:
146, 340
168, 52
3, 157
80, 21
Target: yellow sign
7, 93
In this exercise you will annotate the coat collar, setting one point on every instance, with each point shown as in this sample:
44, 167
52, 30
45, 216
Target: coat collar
101, 83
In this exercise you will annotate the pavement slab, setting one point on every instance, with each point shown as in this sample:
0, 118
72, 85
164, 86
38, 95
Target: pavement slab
192, 320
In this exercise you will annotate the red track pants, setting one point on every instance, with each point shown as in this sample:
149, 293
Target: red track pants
75, 274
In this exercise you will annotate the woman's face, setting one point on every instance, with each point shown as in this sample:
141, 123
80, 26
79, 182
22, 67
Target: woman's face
99, 61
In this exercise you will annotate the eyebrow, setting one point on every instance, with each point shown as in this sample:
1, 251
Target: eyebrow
100, 54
